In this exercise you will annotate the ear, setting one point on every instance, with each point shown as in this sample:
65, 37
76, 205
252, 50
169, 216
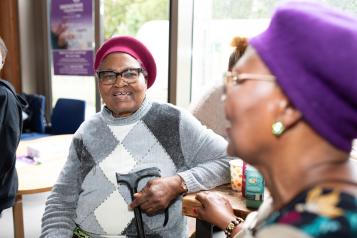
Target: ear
288, 115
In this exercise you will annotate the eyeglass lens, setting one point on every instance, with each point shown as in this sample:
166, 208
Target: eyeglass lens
128, 76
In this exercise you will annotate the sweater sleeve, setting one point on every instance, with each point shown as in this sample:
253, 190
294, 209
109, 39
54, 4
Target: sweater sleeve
204, 153
59, 215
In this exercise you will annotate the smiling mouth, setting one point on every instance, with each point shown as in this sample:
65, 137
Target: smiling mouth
123, 96
121, 93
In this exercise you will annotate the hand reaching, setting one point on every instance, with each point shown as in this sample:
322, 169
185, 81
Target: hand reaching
215, 209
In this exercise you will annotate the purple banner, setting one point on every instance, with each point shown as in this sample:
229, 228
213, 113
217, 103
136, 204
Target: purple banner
72, 37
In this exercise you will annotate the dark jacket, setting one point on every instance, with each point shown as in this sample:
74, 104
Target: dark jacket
10, 131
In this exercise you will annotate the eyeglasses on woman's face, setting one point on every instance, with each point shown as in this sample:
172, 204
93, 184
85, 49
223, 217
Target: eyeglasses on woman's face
129, 76
231, 79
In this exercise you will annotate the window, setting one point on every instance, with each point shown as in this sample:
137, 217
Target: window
147, 21
216, 22
77, 87
71, 37
214, 26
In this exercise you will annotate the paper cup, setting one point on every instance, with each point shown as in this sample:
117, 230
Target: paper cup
236, 174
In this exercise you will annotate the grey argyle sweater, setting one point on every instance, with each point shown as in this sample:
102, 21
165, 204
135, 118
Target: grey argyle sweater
157, 135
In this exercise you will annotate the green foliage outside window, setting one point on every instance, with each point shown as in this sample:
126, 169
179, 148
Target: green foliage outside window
346, 5
124, 17
235, 9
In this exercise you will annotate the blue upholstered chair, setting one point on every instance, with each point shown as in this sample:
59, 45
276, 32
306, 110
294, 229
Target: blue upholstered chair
67, 116
34, 125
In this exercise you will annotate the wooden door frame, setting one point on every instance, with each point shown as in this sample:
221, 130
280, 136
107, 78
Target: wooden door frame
9, 32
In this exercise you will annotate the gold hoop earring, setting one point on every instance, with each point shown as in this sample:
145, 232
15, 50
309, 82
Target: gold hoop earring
278, 128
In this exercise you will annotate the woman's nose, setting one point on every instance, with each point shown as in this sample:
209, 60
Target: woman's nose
120, 82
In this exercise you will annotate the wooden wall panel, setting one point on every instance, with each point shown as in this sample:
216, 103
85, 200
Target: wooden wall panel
9, 31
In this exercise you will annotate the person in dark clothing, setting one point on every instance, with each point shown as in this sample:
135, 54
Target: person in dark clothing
10, 130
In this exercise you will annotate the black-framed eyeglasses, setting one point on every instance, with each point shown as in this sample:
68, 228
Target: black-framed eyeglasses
130, 75
233, 78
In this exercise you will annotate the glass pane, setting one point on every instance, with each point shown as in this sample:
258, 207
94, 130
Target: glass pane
72, 34
215, 24
77, 87
149, 22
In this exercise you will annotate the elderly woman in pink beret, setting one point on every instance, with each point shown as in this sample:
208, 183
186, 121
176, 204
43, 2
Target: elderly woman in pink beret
292, 104
132, 133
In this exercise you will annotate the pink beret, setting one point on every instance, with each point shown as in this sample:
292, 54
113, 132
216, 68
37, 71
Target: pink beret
131, 46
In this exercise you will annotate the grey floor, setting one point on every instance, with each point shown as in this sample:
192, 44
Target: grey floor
34, 206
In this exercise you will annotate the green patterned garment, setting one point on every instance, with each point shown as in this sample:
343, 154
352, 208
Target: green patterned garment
321, 213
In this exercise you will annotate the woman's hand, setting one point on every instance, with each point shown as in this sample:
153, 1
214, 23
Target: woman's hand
215, 209
157, 194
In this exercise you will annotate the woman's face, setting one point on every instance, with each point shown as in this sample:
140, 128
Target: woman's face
251, 109
121, 98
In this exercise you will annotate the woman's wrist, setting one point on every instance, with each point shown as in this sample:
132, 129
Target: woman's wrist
223, 223
236, 230
182, 186
233, 227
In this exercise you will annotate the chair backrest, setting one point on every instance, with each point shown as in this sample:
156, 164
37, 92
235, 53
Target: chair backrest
67, 116
209, 110
36, 121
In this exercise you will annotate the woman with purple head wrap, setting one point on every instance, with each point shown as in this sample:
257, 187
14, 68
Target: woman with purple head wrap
292, 104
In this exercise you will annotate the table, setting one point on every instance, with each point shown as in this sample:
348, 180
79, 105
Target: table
204, 229
38, 178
